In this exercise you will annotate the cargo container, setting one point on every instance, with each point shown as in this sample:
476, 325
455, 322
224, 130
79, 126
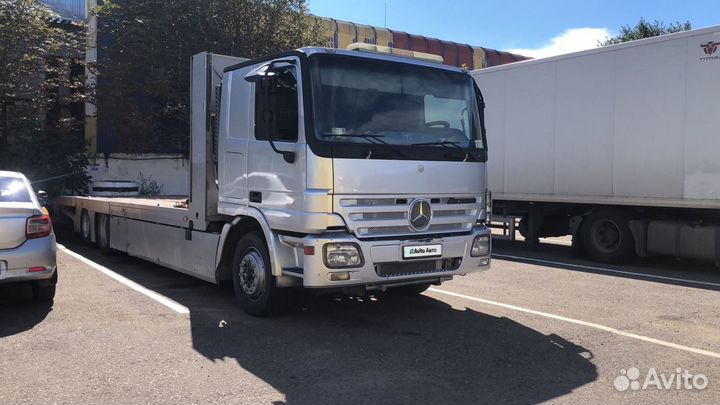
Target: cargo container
616, 146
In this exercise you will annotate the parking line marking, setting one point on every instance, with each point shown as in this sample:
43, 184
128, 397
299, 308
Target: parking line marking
126, 281
606, 270
582, 323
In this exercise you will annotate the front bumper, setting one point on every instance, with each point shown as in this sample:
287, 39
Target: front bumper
384, 263
15, 263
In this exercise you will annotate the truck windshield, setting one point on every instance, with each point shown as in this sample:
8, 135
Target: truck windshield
363, 100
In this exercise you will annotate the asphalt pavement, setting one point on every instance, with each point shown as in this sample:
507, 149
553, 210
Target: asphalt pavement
540, 326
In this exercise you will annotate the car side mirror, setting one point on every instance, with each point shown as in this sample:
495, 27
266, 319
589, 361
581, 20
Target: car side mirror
42, 197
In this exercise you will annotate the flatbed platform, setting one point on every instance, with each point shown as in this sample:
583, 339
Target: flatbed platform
167, 210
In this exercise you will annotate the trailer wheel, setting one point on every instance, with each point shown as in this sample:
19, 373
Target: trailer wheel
253, 281
606, 236
102, 233
85, 226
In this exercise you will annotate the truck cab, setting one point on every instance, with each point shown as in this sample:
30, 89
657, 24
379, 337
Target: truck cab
368, 168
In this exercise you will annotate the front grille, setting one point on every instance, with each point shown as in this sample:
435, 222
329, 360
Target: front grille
415, 267
370, 217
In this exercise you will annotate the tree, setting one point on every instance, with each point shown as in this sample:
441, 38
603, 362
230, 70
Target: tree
645, 29
146, 45
39, 88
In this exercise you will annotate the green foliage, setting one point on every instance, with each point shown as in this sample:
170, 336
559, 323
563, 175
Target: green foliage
645, 29
147, 186
38, 134
144, 75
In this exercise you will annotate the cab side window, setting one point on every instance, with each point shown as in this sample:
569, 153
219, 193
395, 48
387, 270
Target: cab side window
276, 106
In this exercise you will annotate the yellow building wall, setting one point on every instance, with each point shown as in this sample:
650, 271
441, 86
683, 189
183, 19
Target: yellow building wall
383, 37
365, 33
346, 34
479, 59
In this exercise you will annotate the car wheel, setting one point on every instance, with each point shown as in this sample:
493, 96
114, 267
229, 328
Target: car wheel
85, 227
253, 281
606, 236
44, 290
409, 290
102, 233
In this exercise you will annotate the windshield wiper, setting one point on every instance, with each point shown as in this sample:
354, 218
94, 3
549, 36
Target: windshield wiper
371, 138
444, 143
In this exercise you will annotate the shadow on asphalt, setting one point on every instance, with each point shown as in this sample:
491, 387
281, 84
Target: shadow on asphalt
650, 269
18, 311
373, 350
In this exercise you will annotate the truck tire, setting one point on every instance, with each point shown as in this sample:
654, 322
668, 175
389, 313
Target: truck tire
85, 227
44, 290
606, 236
409, 290
253, 281
102, 233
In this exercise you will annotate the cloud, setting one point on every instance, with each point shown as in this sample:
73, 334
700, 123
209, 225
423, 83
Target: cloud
572, 40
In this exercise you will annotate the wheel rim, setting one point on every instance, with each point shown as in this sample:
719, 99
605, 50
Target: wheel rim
103, 234
606, 235
251, 273
85, 226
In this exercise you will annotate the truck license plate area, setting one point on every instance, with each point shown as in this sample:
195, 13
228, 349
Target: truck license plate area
412, 252
404, 269
3, 267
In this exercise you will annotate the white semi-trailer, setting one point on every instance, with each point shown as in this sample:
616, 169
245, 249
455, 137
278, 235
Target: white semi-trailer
617, 146
316, 168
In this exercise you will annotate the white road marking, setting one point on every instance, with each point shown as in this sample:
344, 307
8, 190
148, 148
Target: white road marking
124, 280
579, 322
606, 270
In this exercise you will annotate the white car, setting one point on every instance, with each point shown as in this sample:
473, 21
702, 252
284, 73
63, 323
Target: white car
28, 252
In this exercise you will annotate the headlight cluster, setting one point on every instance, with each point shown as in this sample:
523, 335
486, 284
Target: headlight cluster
480, 246
340, 255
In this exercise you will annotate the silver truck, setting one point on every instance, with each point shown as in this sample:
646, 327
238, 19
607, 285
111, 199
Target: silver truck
351, 170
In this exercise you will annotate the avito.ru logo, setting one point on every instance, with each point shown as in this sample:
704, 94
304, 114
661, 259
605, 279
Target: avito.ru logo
681, 379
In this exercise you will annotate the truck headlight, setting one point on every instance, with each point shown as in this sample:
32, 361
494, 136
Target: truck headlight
480, 246
339, 255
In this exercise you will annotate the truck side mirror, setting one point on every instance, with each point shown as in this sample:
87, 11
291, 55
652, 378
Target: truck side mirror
42, 197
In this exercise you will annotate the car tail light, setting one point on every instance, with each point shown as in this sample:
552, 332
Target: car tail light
38, 227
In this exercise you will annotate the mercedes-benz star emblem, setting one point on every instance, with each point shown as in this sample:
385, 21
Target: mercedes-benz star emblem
420, 214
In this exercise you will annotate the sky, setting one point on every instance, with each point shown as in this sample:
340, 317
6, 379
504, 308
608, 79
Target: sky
531, 28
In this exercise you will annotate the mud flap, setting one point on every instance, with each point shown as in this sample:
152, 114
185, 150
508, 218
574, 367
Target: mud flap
639, 229
575, 224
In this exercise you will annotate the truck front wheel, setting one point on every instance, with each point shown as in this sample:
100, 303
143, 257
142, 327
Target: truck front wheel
606, 236
255, 286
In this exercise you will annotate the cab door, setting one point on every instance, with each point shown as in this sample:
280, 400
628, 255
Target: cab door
275, 185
